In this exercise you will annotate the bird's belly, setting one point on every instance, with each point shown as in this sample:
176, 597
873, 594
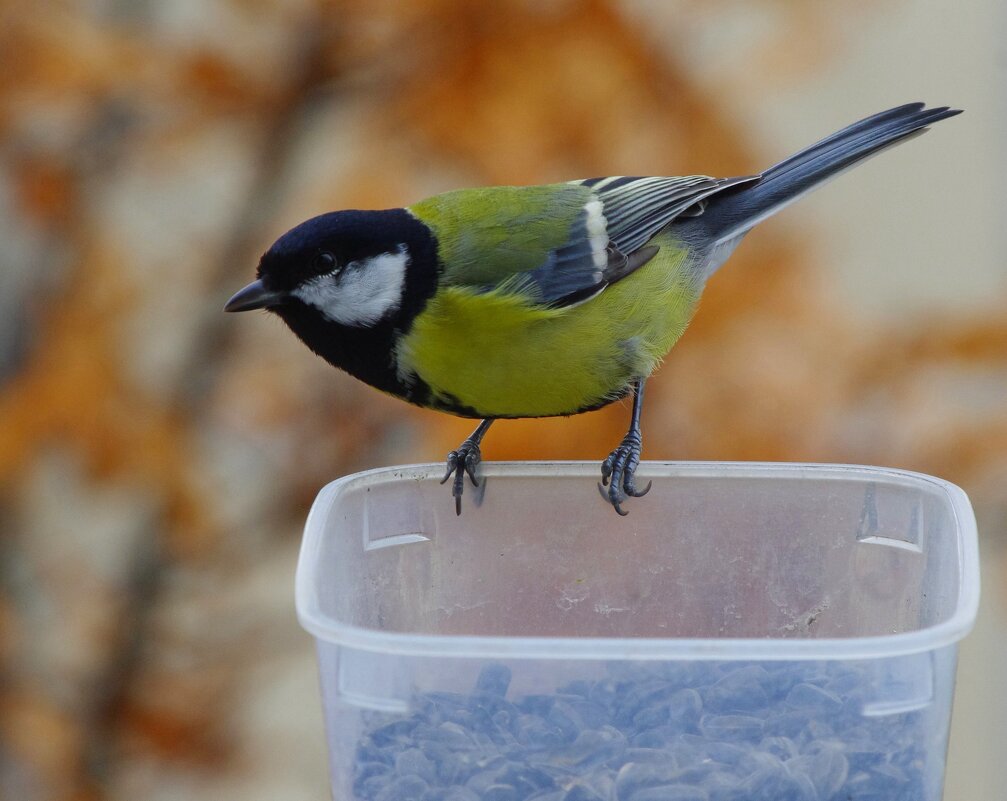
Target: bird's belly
529, 381
497, 355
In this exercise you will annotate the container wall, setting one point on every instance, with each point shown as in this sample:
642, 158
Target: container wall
787, 554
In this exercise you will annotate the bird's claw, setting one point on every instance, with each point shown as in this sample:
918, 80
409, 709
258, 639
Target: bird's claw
463, 461
618, 473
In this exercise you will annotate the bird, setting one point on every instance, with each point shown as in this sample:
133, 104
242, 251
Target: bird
506, 302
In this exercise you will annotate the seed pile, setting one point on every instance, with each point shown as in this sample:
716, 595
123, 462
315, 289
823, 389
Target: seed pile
692, 731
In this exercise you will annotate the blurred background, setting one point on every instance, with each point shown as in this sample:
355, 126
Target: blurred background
157, 458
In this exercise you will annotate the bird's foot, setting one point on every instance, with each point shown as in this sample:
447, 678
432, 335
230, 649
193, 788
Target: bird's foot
618, 472
464, 460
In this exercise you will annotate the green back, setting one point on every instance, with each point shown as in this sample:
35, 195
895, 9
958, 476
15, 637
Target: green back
487, 235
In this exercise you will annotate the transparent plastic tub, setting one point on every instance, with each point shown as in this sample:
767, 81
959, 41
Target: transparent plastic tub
750, 632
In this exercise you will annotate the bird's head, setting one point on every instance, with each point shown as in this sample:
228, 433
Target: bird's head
351, 267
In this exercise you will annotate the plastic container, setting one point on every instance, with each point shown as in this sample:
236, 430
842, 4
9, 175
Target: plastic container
750, 632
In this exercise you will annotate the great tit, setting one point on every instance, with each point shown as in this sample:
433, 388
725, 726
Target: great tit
534, 301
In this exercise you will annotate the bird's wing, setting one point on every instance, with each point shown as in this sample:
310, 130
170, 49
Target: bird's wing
607, 240
637, 208
558, 244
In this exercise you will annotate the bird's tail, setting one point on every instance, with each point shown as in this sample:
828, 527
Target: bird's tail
732, 212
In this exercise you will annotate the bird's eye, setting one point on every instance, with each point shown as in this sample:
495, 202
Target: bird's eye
324, 262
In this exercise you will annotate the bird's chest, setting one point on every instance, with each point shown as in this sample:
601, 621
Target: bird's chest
502, 357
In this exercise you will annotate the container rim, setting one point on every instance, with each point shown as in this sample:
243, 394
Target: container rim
931, 638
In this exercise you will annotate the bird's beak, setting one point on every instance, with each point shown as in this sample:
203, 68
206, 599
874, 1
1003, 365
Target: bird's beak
254, 296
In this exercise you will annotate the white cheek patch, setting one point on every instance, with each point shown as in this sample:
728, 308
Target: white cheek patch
363, 292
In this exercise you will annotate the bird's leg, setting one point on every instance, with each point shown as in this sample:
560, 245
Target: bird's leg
618, 471
465, 460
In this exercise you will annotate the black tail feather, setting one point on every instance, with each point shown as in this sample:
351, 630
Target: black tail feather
734, 211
